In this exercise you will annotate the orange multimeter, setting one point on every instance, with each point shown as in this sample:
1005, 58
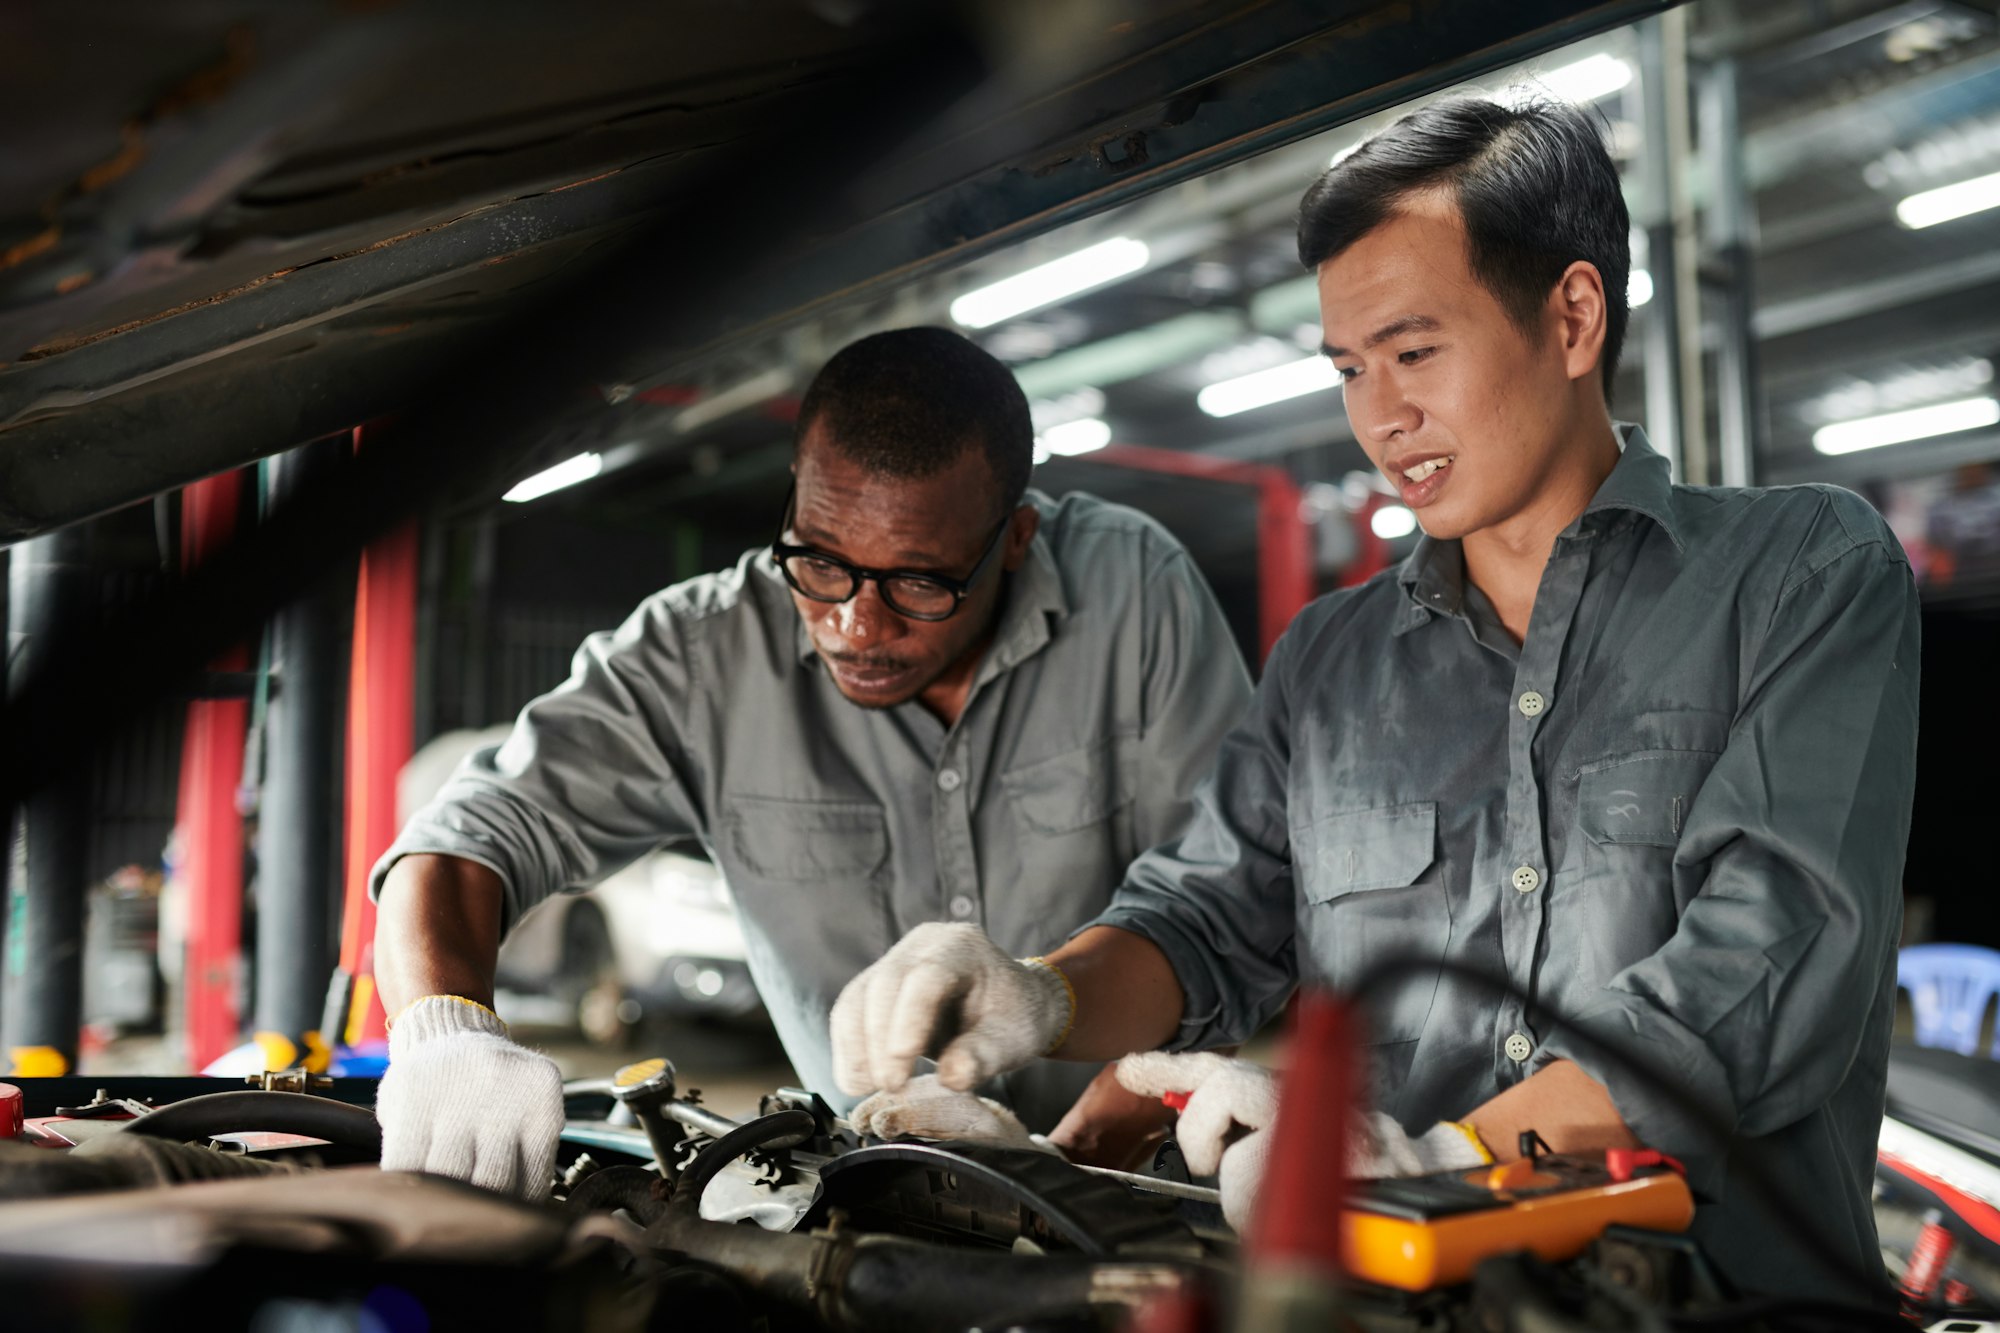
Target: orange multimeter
1420, 1232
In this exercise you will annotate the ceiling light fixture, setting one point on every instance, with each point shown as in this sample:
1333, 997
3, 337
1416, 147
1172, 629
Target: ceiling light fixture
1075, 437
1585, 80
1045, 284
566, 473
1264, 387
1917, 423
1930, 207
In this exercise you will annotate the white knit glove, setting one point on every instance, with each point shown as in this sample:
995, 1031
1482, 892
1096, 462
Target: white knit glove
460, 1099
1382, 1149
951, 990
927, 1109
1224, 1093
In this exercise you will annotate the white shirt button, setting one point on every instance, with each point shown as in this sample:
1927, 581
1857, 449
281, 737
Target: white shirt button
1519, 1048
1531, 704
949, 780
1526, 879
961, 907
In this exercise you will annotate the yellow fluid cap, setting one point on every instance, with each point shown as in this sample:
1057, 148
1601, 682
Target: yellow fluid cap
632, 1076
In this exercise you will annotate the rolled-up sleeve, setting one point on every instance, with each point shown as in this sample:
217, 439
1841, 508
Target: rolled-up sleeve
1194, 689
592, 777
1218, 899
1755, 1005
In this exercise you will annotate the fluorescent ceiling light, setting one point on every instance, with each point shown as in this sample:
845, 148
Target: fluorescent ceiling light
1638, 289
1075, 437
1393, 521
1263, 387
567, 473
1107, 261
1846, 437
1951, 201
1588, 79
1584, 81
738, 397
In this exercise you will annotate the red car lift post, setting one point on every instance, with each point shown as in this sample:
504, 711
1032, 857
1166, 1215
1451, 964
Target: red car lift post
211, 824
380, 739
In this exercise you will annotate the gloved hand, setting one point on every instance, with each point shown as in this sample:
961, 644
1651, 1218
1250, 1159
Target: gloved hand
927, 1109
902, 1006
460, 1099
1226, 1093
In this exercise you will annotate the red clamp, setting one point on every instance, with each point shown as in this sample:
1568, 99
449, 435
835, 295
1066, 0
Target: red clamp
1624, 1163
1176, 1101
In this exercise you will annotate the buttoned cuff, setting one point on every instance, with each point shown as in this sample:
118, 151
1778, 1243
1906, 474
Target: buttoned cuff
1621, 1030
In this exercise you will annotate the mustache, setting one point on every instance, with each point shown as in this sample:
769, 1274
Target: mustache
869, 664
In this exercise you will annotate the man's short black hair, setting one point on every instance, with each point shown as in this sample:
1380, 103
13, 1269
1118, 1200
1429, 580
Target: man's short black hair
1534, 184
910, 402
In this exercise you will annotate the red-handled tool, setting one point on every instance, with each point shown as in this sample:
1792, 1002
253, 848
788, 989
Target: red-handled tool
1624, 1163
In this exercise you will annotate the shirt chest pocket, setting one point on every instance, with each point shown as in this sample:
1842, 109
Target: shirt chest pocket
1620, 880
1640, 800
803, 842
1369, 892
1073, 790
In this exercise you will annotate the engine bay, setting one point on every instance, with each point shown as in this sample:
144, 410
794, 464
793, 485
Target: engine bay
148, 1203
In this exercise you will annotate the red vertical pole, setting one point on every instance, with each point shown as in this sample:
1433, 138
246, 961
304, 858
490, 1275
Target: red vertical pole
211, 825
1305, 1180
380, 740
1284, 556
1293, 1256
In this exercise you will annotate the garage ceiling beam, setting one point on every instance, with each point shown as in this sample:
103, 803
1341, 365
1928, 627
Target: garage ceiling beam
1865, 125
1245, 78
1802, 314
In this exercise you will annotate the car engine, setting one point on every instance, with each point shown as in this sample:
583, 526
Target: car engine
159, 1203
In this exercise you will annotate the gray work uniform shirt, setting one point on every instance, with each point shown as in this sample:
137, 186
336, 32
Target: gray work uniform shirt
708, 718
1677, 812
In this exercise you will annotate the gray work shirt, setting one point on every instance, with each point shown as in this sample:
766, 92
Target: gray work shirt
708, 718
1676, 812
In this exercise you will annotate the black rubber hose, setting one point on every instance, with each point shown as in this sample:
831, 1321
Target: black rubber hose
149, 1160
629, 1187
887, 1284
119, 1162
914, 1288
783, 1128
251, 1110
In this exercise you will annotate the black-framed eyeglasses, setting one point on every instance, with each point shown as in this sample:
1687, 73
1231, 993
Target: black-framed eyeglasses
827, 578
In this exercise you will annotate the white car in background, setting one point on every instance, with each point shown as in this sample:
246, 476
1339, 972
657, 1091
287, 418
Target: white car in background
659, 938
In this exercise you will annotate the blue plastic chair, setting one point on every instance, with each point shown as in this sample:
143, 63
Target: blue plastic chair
1949, 986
